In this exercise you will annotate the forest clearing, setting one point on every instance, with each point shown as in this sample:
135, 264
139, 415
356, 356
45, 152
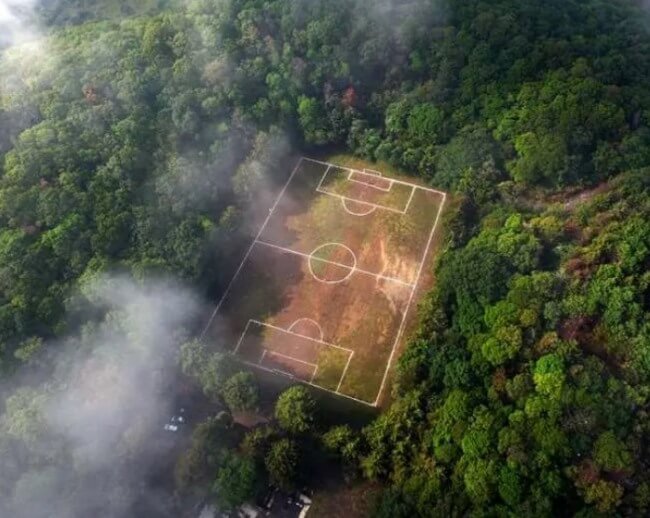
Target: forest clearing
323, 292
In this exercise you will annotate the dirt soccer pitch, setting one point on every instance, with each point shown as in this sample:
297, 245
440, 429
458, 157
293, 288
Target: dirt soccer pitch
323, 292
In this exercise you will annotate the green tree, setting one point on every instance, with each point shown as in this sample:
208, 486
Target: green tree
237, 480
282, 463
611, 453
605, 495
343, 442
295, 410
210, 443
240, 392
313, 121
549, 375
210, 369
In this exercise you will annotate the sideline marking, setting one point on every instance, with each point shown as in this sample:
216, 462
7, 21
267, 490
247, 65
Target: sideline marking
408, 203
250, 248
241, 338
408, 304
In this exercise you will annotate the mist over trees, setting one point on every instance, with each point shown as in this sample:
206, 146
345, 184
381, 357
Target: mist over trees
141, 138
76, 440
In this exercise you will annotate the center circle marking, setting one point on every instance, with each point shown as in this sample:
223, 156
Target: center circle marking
314, 259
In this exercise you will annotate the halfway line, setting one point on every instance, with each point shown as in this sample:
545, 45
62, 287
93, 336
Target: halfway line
353, 268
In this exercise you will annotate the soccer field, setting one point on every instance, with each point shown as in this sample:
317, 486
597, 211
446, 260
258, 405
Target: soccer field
323, 293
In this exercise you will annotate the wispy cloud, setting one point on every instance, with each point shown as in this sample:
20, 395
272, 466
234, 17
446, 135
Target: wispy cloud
92, 432
18, 23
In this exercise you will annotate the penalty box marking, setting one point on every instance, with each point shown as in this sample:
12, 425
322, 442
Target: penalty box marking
344, 198
304, 337
321, 190
394, 180
370, 172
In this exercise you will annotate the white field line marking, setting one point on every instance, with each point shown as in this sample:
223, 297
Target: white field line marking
315, 365
307, 319
265, 324
370, 185
408, 204
370, 172
358, 214
287, 357
345, 370
241, 338
321, 189
363, 173
308, 256
401, 182
347, 198
275, 370
272, 371
408, 304
322, 178
264, 351
250, 248
351, 268
256, 240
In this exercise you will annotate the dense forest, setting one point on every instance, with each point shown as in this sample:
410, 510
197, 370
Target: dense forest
136, 144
